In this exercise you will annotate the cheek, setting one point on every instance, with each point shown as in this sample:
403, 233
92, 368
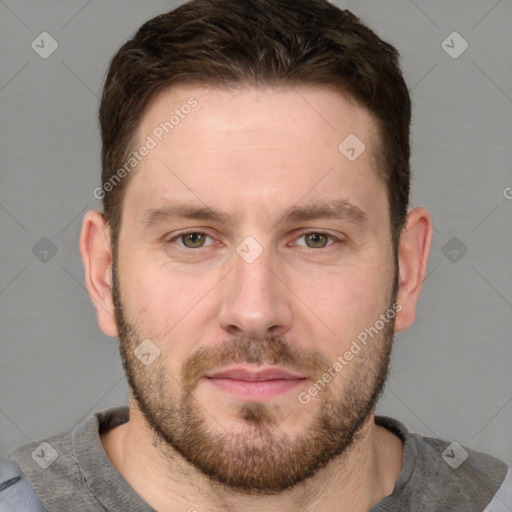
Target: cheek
166, 303
148, 299
345, 302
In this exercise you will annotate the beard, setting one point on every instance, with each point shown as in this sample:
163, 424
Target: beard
255, 457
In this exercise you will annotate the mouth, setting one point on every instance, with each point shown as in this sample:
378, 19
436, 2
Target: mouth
248, 384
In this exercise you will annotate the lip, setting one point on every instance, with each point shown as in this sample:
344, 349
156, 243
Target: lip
255, 385
247, 372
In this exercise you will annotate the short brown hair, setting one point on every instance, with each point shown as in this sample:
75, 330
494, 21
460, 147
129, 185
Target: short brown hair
257, 43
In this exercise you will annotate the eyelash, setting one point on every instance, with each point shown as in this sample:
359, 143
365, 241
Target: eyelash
301, 234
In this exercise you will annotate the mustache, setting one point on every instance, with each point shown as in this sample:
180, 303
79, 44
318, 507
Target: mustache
272, 350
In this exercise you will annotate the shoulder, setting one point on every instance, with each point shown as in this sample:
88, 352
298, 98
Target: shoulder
50, 468
456, 475
502, 500
439, 474
64, 470
458, 460
16, 493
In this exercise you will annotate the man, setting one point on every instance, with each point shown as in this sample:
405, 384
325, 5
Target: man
255, 257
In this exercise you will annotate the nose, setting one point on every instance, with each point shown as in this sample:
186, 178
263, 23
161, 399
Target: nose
255, 303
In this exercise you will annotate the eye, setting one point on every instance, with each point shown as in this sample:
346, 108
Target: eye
191, 240
317, 240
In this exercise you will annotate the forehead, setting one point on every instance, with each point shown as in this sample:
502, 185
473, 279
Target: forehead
240, 146
262, 111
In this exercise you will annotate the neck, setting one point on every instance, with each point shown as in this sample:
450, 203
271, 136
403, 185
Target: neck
354, 481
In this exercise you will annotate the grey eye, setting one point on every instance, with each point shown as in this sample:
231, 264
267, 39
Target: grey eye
193, 240
316, 240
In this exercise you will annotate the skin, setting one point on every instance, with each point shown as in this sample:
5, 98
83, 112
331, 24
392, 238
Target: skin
253, 154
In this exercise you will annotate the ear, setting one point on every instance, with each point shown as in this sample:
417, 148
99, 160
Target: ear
97, 259
413, 251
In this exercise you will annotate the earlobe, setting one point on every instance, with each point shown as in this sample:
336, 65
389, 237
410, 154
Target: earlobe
97, 259
413, 251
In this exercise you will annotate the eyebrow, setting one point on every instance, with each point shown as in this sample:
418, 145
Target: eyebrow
339, 209
156, 216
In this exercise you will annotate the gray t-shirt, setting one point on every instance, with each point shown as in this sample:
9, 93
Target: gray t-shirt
71, 471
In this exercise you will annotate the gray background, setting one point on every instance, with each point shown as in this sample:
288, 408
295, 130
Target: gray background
451, 372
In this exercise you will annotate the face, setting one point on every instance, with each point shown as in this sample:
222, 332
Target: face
253, 258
